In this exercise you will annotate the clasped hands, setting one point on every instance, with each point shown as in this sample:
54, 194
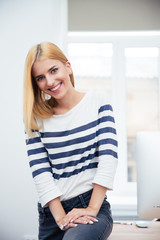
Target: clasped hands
78, 215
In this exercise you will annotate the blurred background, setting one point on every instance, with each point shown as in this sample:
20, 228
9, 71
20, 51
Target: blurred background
113, 46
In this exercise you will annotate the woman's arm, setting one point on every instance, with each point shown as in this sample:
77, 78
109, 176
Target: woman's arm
41, 169
91, 211
97, 198
57, 209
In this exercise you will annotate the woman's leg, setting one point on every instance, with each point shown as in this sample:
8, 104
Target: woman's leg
48, 229
96, 231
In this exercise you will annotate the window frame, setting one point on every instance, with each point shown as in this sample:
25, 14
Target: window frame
124, 191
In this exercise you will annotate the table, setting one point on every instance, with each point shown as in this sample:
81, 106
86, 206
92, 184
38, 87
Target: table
132, 232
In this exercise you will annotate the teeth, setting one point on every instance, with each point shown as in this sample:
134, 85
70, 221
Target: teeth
54, 89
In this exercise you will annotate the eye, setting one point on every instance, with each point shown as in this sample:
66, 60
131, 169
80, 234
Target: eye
54, 70
39, 78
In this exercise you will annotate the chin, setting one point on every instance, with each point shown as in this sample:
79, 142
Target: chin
58, 96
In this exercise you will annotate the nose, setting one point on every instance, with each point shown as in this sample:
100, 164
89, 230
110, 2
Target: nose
50, 81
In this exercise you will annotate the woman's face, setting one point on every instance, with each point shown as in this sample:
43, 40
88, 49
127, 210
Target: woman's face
53, 77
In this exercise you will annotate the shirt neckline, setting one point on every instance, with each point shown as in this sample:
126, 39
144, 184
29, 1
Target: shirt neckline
72, 109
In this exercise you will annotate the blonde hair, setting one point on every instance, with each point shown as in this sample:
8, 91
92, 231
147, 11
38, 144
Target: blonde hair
36, 106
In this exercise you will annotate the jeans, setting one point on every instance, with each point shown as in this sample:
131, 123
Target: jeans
48, 229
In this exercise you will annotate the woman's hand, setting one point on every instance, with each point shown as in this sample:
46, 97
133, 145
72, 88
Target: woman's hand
64, 226
78, 215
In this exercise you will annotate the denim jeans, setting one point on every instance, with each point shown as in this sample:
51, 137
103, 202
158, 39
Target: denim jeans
48, 229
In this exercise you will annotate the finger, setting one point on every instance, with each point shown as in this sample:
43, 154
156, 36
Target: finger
90, 218
84, 220
75, 217
70, 225
61, 227
65, 221
75, 213
64, 225
81, 220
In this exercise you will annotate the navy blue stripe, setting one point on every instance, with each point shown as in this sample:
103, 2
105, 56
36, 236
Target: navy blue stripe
76, 171
41, 170
83, 159
105, 108
90, 156
74, 152
33, 140
38, 161
70, 142
80, 139
106, 130
71, 153
78, 129
75, 162
69, 132
81, 150
36, 151
107, 152
107, 141
106, 119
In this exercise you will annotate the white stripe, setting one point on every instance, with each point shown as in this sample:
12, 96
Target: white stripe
72, 147
109, 147
37, 156
35, 146
109, 124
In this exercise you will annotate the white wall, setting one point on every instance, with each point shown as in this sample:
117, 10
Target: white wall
22, 24
113, 15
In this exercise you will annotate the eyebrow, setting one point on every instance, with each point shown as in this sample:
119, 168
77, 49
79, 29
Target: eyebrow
52, 68
48, 71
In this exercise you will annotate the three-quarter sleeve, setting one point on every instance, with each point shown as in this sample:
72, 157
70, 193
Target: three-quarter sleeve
106, 146
41, 170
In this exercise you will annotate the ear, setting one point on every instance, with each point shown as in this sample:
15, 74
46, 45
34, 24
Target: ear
68, 65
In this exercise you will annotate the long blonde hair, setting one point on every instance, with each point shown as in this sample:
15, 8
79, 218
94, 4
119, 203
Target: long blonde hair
36, 106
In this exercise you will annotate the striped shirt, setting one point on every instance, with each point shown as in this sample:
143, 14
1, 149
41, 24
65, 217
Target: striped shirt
74, 150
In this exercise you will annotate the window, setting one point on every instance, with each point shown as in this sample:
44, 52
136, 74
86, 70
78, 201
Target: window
92, 64
127, 66
142, 97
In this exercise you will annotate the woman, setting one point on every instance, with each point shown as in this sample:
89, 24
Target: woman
72, 148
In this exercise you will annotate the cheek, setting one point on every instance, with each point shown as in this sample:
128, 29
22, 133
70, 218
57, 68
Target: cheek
41, 85
66, 78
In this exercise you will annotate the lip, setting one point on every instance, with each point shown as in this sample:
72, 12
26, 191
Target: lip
56, 88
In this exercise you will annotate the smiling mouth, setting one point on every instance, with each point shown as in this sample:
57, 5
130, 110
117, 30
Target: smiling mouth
56, 88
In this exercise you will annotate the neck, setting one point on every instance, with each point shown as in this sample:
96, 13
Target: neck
68, 102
